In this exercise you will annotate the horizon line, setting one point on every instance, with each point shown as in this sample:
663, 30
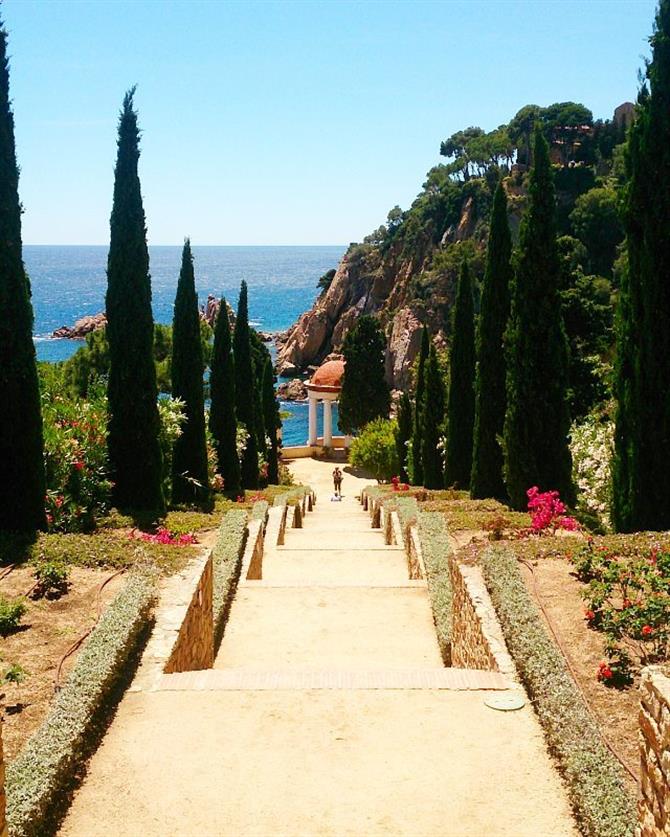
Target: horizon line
152, 244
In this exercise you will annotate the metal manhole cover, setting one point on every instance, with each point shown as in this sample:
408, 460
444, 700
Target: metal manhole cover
505, 703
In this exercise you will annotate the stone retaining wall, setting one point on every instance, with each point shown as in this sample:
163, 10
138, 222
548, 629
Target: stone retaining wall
417, 569
194, 647
252, 562
654, 802
477, 639
3, 822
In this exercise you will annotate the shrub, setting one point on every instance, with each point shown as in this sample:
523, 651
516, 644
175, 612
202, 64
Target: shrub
592, 448
548, 513
227, 561
51, 579
599, 797
375, 449
48, 764
434, 538
11, 613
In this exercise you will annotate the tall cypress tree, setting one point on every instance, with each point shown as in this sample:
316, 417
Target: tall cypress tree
432, 421
189, 457
461, 398
537, 420
222, 419
641, 473
490, 400
417, 430
245, 396
403, 433
134, 424
22, 486
272, 421
365, 394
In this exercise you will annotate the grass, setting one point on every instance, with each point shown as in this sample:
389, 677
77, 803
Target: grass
461, 513
602, 804
47, 767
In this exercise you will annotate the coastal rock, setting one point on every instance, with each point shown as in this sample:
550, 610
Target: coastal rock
210, 311
81, 328
294, 390
402, 347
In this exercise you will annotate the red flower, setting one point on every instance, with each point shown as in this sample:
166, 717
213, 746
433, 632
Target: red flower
627, 603
79, 465
647, 630
590, 615
604, 672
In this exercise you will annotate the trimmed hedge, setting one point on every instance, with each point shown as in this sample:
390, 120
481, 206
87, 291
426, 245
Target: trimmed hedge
291, 496
408, 513
260, 510
434, 539
47, 767
603, 805
227, 562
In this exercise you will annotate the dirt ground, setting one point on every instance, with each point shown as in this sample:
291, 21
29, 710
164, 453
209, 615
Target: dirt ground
47, 630
616, 710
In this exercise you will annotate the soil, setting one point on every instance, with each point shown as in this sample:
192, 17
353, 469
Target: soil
47, 630
616, 710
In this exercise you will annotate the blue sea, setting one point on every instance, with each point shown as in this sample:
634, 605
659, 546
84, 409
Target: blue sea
69, 282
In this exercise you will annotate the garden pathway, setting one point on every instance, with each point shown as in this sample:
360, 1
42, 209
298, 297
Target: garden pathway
327, 713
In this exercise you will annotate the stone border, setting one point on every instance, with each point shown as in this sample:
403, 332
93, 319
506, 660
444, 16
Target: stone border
252, 561
3, 821
654, 801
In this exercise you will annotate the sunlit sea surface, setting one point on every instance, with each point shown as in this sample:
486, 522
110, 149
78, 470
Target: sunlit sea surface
69, 282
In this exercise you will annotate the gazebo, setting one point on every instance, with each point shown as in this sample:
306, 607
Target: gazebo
325, 386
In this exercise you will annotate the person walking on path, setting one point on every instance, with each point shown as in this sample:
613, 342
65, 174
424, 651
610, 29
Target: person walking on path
337, 481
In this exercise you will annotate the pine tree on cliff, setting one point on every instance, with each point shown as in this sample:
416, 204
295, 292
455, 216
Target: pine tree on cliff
365, 394
432, 422
189, 456
403, 434
490, 400
222, 419
641, 470
245, 395
416, 474
22, 487
461, 397
272, 422
537, 420
134, 424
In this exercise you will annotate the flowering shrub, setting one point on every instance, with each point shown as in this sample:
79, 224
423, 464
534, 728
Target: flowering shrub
628, 599
548, 513
166, 537
592, 448
399, 486
172, 416
75, 459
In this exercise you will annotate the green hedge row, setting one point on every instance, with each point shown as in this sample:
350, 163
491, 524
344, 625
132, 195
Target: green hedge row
291, 496
39, 778
226, 564
434, 539
260, 510
601, 801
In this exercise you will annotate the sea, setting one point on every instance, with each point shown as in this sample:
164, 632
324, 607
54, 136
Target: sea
69, 282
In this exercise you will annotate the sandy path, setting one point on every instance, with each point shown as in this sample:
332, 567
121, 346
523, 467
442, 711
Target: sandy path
328, 762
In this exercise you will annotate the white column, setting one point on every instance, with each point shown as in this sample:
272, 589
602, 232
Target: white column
312, 420
327, 423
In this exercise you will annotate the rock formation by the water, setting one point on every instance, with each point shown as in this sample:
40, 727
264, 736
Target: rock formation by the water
81, 328
293, 390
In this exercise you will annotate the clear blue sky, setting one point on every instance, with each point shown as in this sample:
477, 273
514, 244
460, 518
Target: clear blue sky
286, 122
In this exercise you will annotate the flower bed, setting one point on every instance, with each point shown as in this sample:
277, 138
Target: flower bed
603, 805
49, 763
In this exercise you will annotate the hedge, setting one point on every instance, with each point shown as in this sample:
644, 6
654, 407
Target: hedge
291, 496
47, 767
227, 562
434, 539
260, 510
602, 803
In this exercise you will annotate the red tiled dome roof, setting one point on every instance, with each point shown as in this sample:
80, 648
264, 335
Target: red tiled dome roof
329, 374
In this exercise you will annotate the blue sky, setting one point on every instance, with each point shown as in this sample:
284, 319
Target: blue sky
286, 122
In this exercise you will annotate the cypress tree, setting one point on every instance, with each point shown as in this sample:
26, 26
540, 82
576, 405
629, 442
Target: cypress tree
222, 420
403, 434
537, 420
490, 400
259, 356
22, 487
641, 473
417, 430
461, 397
365, 394
245, 396
134, 424
432, 420
272, 422
189, 456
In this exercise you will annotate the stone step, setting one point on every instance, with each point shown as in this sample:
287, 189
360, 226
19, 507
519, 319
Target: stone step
245, 680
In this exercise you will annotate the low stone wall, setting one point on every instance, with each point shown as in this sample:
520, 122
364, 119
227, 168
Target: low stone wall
477, 640
3, 821
252, 562
654, 802
415, 563
194, 647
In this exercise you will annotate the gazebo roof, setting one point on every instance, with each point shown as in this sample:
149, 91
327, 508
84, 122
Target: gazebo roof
328, 377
